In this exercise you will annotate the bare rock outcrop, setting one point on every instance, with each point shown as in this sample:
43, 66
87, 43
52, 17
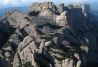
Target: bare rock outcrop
49, 36
61, 8
42, 6
61, 20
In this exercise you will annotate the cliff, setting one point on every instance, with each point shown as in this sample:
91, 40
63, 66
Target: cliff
48, 36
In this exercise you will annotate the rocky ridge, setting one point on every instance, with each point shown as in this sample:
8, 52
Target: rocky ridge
48, 36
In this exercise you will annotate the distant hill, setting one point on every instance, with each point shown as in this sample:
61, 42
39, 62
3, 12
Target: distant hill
6, 9
94, 8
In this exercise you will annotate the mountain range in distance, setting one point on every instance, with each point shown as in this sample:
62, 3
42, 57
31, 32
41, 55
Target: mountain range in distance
23, 9
6, 9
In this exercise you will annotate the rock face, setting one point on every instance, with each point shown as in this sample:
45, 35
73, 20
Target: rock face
49, 36
37, 7
61, 20
61, 8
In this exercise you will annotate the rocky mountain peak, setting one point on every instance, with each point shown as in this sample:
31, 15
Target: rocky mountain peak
48, 36
42, 6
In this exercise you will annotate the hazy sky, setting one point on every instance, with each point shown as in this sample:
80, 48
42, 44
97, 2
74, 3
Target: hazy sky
28, 2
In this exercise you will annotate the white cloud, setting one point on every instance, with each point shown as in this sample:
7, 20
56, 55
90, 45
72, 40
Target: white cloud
14, 2
7, 2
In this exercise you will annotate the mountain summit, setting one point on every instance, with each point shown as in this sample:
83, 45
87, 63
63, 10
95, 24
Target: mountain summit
49, 35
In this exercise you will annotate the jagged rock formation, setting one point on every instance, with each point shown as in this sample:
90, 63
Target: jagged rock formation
43, 6
61, 8
48, 36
